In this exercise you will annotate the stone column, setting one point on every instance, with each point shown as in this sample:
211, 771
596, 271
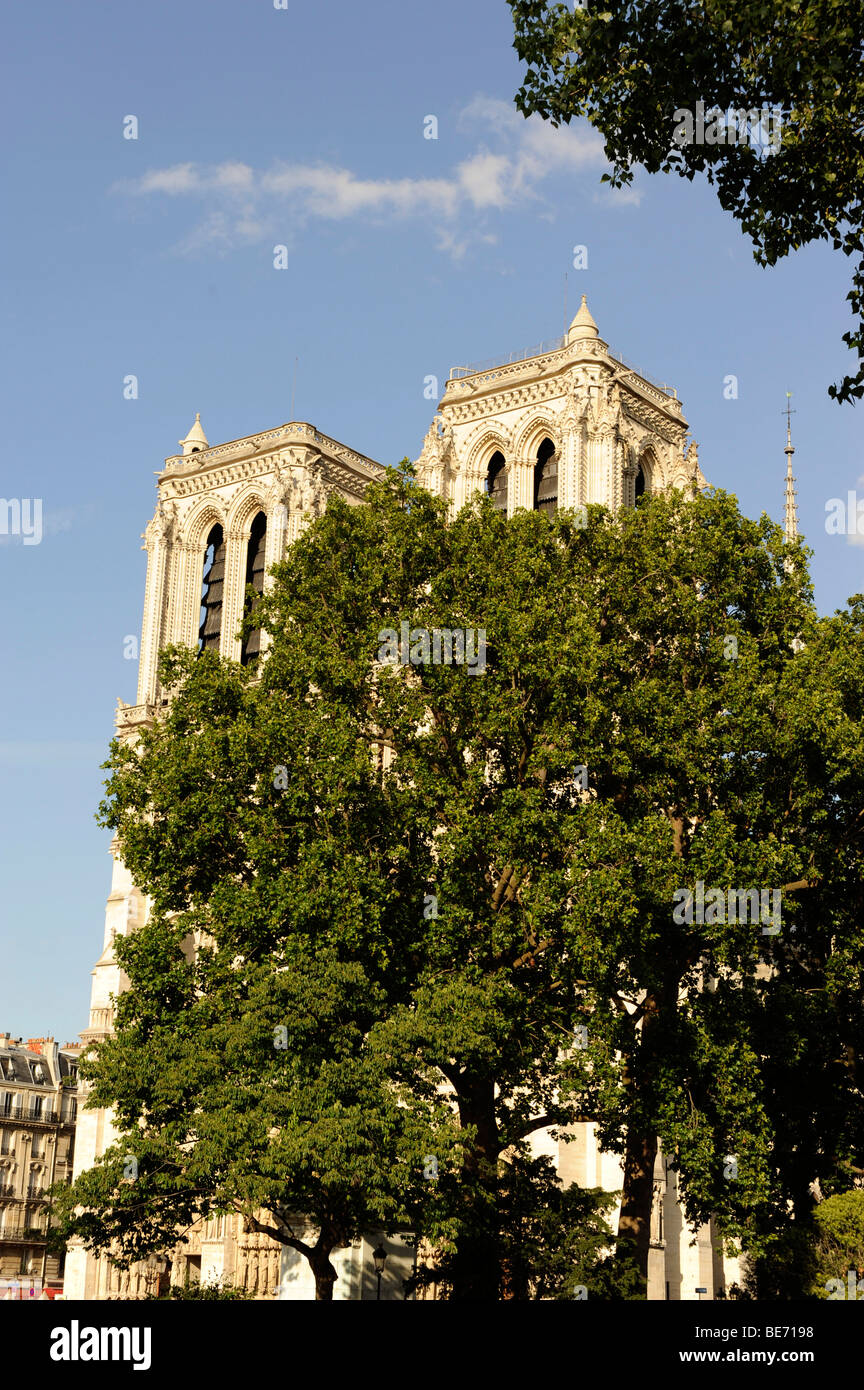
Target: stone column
520, 485
468, 481
237, 543
182, 626
628, 484
609, 455
619, 457
157, 545
277, 528
568, 464
276, 538
581, 457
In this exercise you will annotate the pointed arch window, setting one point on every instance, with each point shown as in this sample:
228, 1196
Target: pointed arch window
254, 577
496, 481
210, 630
546, 479
639, 486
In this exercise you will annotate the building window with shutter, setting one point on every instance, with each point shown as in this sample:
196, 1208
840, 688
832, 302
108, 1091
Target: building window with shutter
210, 630
254, 578
546, 479
496, 481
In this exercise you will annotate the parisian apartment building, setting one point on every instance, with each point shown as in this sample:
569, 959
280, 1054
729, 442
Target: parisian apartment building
38, 1105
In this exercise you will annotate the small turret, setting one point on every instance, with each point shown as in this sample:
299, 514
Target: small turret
583, 325
196, 439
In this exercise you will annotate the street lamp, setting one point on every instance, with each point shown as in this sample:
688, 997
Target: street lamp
379, 1255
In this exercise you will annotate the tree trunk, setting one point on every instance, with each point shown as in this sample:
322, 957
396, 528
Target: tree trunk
637, 1197
329, 1237
325, 1275
477, 1275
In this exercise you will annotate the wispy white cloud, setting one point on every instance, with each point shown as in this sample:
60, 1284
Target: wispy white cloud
512, 160
629, 197
333, 193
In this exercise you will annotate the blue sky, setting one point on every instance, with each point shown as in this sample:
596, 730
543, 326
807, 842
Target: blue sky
406, 256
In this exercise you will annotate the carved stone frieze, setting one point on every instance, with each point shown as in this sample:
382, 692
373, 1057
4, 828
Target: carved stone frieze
282, 435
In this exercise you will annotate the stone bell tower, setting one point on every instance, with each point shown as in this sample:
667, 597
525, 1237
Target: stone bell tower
224, 515
562, 425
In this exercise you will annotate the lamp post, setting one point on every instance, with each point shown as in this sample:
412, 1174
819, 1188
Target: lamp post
379, 1255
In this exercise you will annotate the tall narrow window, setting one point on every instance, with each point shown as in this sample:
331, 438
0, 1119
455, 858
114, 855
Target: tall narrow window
639, 486
254, 576
546, 479
496, 482
211, 595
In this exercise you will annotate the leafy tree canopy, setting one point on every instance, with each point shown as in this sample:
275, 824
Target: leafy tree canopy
630, 65
405, 916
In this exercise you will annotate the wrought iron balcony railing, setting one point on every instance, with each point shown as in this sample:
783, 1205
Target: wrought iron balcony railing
20, 1116
23, 1235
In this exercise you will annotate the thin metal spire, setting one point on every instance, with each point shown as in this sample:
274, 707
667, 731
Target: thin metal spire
790, 520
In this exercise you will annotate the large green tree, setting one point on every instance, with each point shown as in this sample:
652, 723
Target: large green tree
264, 1057
453, 889
629, 65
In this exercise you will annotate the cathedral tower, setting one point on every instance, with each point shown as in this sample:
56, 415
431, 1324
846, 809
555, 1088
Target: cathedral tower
566, 424
224, 516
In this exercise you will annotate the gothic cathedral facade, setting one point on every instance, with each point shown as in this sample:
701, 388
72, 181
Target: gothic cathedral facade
563, 426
